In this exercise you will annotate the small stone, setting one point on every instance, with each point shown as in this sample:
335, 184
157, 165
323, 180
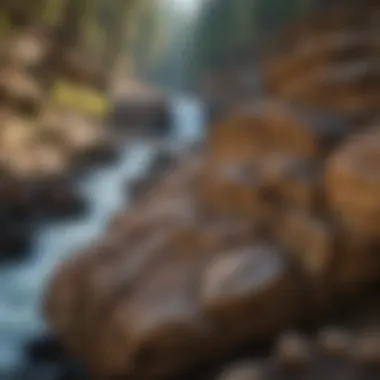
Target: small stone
65, 204
334, 341
246, 370
293, 351
44, 349
367, 348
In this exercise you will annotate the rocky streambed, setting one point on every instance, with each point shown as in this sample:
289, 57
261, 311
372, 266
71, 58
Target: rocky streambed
24, 340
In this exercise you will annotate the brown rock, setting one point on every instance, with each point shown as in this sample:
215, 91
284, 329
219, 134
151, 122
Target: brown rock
77, 65
27, 47
352, 183
302, 187
233, 190
243, 370
293, 352
335, 341
237, 139
64, 294
20, 90
111, 280
269, 126
310, 240
157, 329
249, 293
357, 265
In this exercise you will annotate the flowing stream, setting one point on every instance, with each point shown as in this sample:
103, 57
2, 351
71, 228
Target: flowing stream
22, 284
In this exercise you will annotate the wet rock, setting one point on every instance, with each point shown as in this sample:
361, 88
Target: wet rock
293, 352
64, 203
169, 335
56, 198
245, 370
38, 372
104, 153
62, 299
249, 292
44, 349
335, 341
140, 117
15, 241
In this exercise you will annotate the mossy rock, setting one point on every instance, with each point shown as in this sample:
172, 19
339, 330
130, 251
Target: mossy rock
80, 98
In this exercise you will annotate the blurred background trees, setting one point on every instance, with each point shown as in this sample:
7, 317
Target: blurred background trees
167, 41
174, 42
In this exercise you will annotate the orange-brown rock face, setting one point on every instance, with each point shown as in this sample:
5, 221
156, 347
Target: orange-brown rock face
353, 183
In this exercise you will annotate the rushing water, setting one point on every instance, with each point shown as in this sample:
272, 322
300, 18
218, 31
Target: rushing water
21, 285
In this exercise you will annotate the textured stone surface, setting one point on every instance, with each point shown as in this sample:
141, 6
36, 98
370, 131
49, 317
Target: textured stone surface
334, 352
352, 180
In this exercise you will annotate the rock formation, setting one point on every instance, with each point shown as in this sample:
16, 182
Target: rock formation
273, 224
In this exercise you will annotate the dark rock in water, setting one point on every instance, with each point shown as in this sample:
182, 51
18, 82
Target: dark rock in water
14, 199
47, 360
139, 187
58, 198
14, 241
142, 117
164, 161
39, 372
56, 371
106, 153
216, 110
71, 370
65, 204
44, 349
